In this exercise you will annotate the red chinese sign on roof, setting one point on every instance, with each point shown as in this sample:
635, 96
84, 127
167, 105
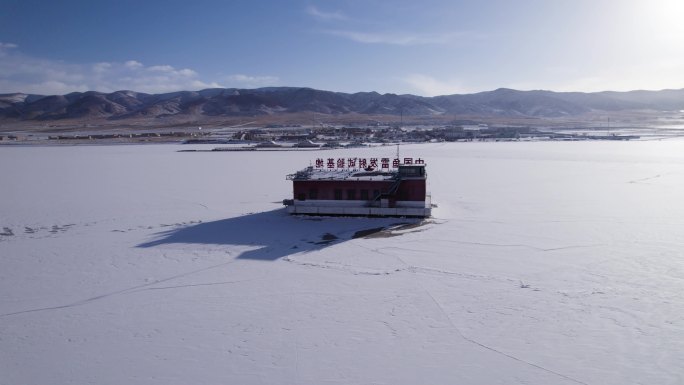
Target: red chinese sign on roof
354, 163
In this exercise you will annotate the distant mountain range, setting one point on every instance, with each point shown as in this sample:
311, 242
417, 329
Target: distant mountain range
232, 102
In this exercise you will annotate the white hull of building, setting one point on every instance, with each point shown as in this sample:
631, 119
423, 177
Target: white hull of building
360, 208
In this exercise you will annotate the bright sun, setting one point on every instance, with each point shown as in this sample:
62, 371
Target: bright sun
663, 18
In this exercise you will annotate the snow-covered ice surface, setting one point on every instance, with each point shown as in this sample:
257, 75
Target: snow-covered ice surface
545, 263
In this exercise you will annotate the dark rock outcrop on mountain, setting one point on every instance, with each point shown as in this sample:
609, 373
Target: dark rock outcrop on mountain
219, 102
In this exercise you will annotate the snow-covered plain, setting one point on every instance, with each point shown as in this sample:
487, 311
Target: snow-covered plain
545, 263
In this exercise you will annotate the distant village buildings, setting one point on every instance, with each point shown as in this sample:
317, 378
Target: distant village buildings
328, 136
311, 137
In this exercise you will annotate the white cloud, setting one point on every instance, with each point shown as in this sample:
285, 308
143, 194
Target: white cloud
5, 48
133, 64
101, 67
186, 72
428, 86
382, 37
22, 73
7, 45
396, 38
246, 81
164, 68
325, 16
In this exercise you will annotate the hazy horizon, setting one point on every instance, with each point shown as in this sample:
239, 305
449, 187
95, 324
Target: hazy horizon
351, 92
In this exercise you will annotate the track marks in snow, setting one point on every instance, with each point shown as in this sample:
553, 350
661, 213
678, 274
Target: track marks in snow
393, 332
516, 245
7, 232
361, 270
137, 288
394, 251
330, 265
471, 276
494, 350
405, 267
41, 231
434, 271
644, 180
36, 230
150, 227
60, 229
192, 285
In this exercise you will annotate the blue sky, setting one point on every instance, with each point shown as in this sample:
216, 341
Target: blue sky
427, 47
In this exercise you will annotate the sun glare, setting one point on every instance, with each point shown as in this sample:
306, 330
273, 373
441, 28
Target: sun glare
662, 18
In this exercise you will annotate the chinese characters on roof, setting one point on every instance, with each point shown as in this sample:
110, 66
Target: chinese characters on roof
334, 163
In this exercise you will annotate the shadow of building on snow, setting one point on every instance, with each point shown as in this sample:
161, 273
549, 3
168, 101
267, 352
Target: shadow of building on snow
275, 234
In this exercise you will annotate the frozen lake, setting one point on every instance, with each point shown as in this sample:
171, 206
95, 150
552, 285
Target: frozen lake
544, 263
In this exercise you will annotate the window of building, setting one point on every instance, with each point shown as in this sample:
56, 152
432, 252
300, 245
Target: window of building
338, 194
351, 194
364, 194
313, 193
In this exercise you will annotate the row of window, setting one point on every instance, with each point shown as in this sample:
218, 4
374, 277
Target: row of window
351, 194
339, 194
